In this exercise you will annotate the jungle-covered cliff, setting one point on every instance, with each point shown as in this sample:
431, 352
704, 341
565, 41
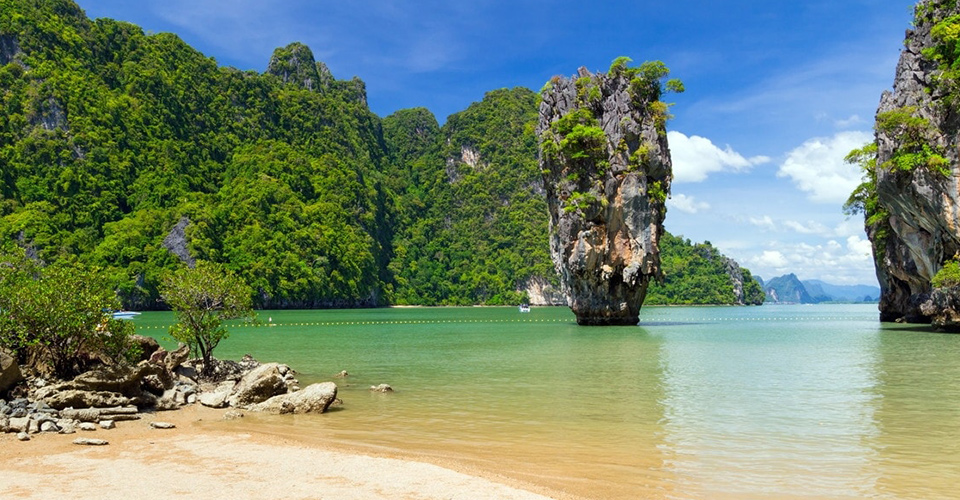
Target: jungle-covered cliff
133, 152
911, 194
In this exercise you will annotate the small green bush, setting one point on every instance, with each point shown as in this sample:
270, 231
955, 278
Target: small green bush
948, 276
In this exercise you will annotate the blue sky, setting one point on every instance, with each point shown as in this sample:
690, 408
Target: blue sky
777, 91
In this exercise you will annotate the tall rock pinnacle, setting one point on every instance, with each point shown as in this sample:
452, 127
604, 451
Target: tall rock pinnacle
607, 171
911, 193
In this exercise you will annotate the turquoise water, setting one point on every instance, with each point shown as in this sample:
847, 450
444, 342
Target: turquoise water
696, 402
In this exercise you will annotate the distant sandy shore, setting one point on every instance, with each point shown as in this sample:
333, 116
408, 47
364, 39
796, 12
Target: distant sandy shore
202, 460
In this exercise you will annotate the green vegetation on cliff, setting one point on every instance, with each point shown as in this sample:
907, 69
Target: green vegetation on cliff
697, 273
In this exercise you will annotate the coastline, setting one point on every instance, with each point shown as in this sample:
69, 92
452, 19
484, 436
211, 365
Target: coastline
207, 457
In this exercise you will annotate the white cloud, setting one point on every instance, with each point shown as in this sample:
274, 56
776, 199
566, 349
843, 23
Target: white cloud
817, 166
848, 122
771, 258
845, 263
687, 204
695, 157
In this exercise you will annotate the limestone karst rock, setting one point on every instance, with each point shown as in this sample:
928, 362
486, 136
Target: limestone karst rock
913, 219
607, 172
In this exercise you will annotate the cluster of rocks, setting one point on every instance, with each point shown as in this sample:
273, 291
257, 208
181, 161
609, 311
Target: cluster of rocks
165, 380
26, 417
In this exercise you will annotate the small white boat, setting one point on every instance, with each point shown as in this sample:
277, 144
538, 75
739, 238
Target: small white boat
524, 308
124, 314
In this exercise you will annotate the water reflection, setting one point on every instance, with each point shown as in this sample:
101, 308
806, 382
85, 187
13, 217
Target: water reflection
918, 414
757, 410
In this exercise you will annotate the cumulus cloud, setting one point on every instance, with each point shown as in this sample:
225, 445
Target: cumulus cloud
846, 261
817, 166
695, 157
687, 204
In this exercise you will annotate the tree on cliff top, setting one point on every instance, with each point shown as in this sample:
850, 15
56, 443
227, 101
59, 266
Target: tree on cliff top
202, 298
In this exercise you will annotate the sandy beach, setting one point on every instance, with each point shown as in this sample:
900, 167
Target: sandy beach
202, 459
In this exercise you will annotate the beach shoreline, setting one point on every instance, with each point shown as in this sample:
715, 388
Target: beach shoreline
207, 457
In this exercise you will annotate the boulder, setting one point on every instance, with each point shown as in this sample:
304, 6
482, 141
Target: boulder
217, 398
314, 398
147, 346
49, 426
23, 436
162, 425
260, 384
87, 426
107, 424
9, 372
381, 388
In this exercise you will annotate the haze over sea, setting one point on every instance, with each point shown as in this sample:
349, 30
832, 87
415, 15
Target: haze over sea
697, 402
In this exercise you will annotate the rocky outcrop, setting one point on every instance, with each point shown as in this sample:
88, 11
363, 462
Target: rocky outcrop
9, 49
9, 372
314, 398
542, 293
607, 172
262, 383
177, 243
295, 64
917, 225
943, 308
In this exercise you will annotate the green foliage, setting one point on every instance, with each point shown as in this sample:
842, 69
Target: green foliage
109, 136
471, 233
948, 276
866, 200
912, 133
202, 298
696, 273
656, 192
57, 317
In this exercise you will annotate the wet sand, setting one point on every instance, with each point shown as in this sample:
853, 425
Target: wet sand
206, 458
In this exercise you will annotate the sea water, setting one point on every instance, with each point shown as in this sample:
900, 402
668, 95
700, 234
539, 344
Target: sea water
695, 402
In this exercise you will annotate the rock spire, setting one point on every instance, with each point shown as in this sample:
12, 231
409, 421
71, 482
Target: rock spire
607, 172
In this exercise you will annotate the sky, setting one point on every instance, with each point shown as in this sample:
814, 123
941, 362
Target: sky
777, 91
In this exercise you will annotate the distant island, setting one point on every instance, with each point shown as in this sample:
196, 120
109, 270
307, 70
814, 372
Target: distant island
788, 289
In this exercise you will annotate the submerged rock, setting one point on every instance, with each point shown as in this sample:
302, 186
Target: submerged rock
607, 173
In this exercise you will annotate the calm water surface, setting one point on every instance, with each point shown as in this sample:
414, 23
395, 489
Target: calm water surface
696, 402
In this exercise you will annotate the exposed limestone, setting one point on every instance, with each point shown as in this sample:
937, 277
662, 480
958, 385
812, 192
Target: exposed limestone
9, 372
922, 229
381, 388
295, 64
260, 384
943, 308
605, 191
176, 242
9, 49
314, 398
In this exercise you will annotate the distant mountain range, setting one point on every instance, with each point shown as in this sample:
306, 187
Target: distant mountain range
788, 289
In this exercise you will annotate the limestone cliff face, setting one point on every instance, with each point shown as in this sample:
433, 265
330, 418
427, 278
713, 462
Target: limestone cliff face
919, 224
607, 172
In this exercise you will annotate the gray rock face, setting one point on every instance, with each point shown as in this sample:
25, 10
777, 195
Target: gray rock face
9, 49
314, 398
259, 385
176, 242
605, 193
922, 230
9, 372
943, 308
295, 64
